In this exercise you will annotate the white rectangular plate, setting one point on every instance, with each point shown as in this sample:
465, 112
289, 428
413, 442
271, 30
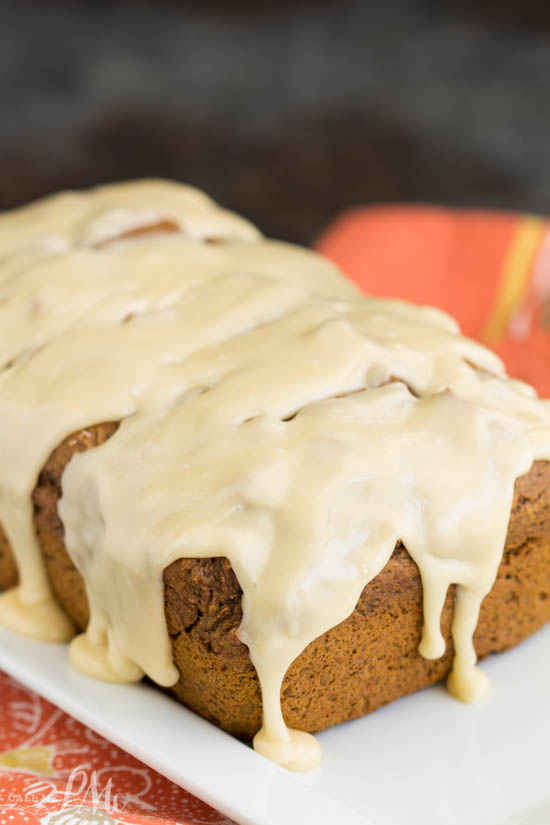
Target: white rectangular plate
424, 760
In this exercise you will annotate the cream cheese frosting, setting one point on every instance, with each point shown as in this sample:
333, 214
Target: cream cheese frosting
270, 413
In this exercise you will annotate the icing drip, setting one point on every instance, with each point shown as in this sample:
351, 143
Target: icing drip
270, 414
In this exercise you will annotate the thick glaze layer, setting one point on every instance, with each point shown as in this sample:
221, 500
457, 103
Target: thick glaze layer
270, 413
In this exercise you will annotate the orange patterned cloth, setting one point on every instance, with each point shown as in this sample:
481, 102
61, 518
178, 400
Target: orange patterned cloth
55, 771
492, 271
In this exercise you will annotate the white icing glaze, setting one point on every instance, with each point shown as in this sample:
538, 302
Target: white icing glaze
270, 413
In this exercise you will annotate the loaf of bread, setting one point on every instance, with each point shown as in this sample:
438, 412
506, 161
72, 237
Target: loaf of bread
365, 662
284, 502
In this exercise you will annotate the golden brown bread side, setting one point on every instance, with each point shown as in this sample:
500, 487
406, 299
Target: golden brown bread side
8, 568
365, 662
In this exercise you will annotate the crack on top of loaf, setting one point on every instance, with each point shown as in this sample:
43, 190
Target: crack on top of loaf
119, 225
479, 369
163, 226
346, 394
20, 358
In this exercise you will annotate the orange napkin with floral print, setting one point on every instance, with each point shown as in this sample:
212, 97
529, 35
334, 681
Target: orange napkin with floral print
491, 270
55, 771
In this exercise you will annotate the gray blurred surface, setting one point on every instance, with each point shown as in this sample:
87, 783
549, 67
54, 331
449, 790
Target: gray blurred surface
286, 112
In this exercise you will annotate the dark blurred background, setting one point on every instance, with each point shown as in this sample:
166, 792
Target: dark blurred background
284, 111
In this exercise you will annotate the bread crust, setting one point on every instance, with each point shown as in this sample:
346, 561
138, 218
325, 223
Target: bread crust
8, 568
365, 662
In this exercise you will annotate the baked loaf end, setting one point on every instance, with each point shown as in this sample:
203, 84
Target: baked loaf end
366, 661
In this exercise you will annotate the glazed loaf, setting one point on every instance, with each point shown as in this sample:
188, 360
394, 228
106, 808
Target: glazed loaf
294, 487
365, 662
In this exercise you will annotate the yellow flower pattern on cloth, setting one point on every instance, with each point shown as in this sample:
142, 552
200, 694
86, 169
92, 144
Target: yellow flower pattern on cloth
55, 771
32, 760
